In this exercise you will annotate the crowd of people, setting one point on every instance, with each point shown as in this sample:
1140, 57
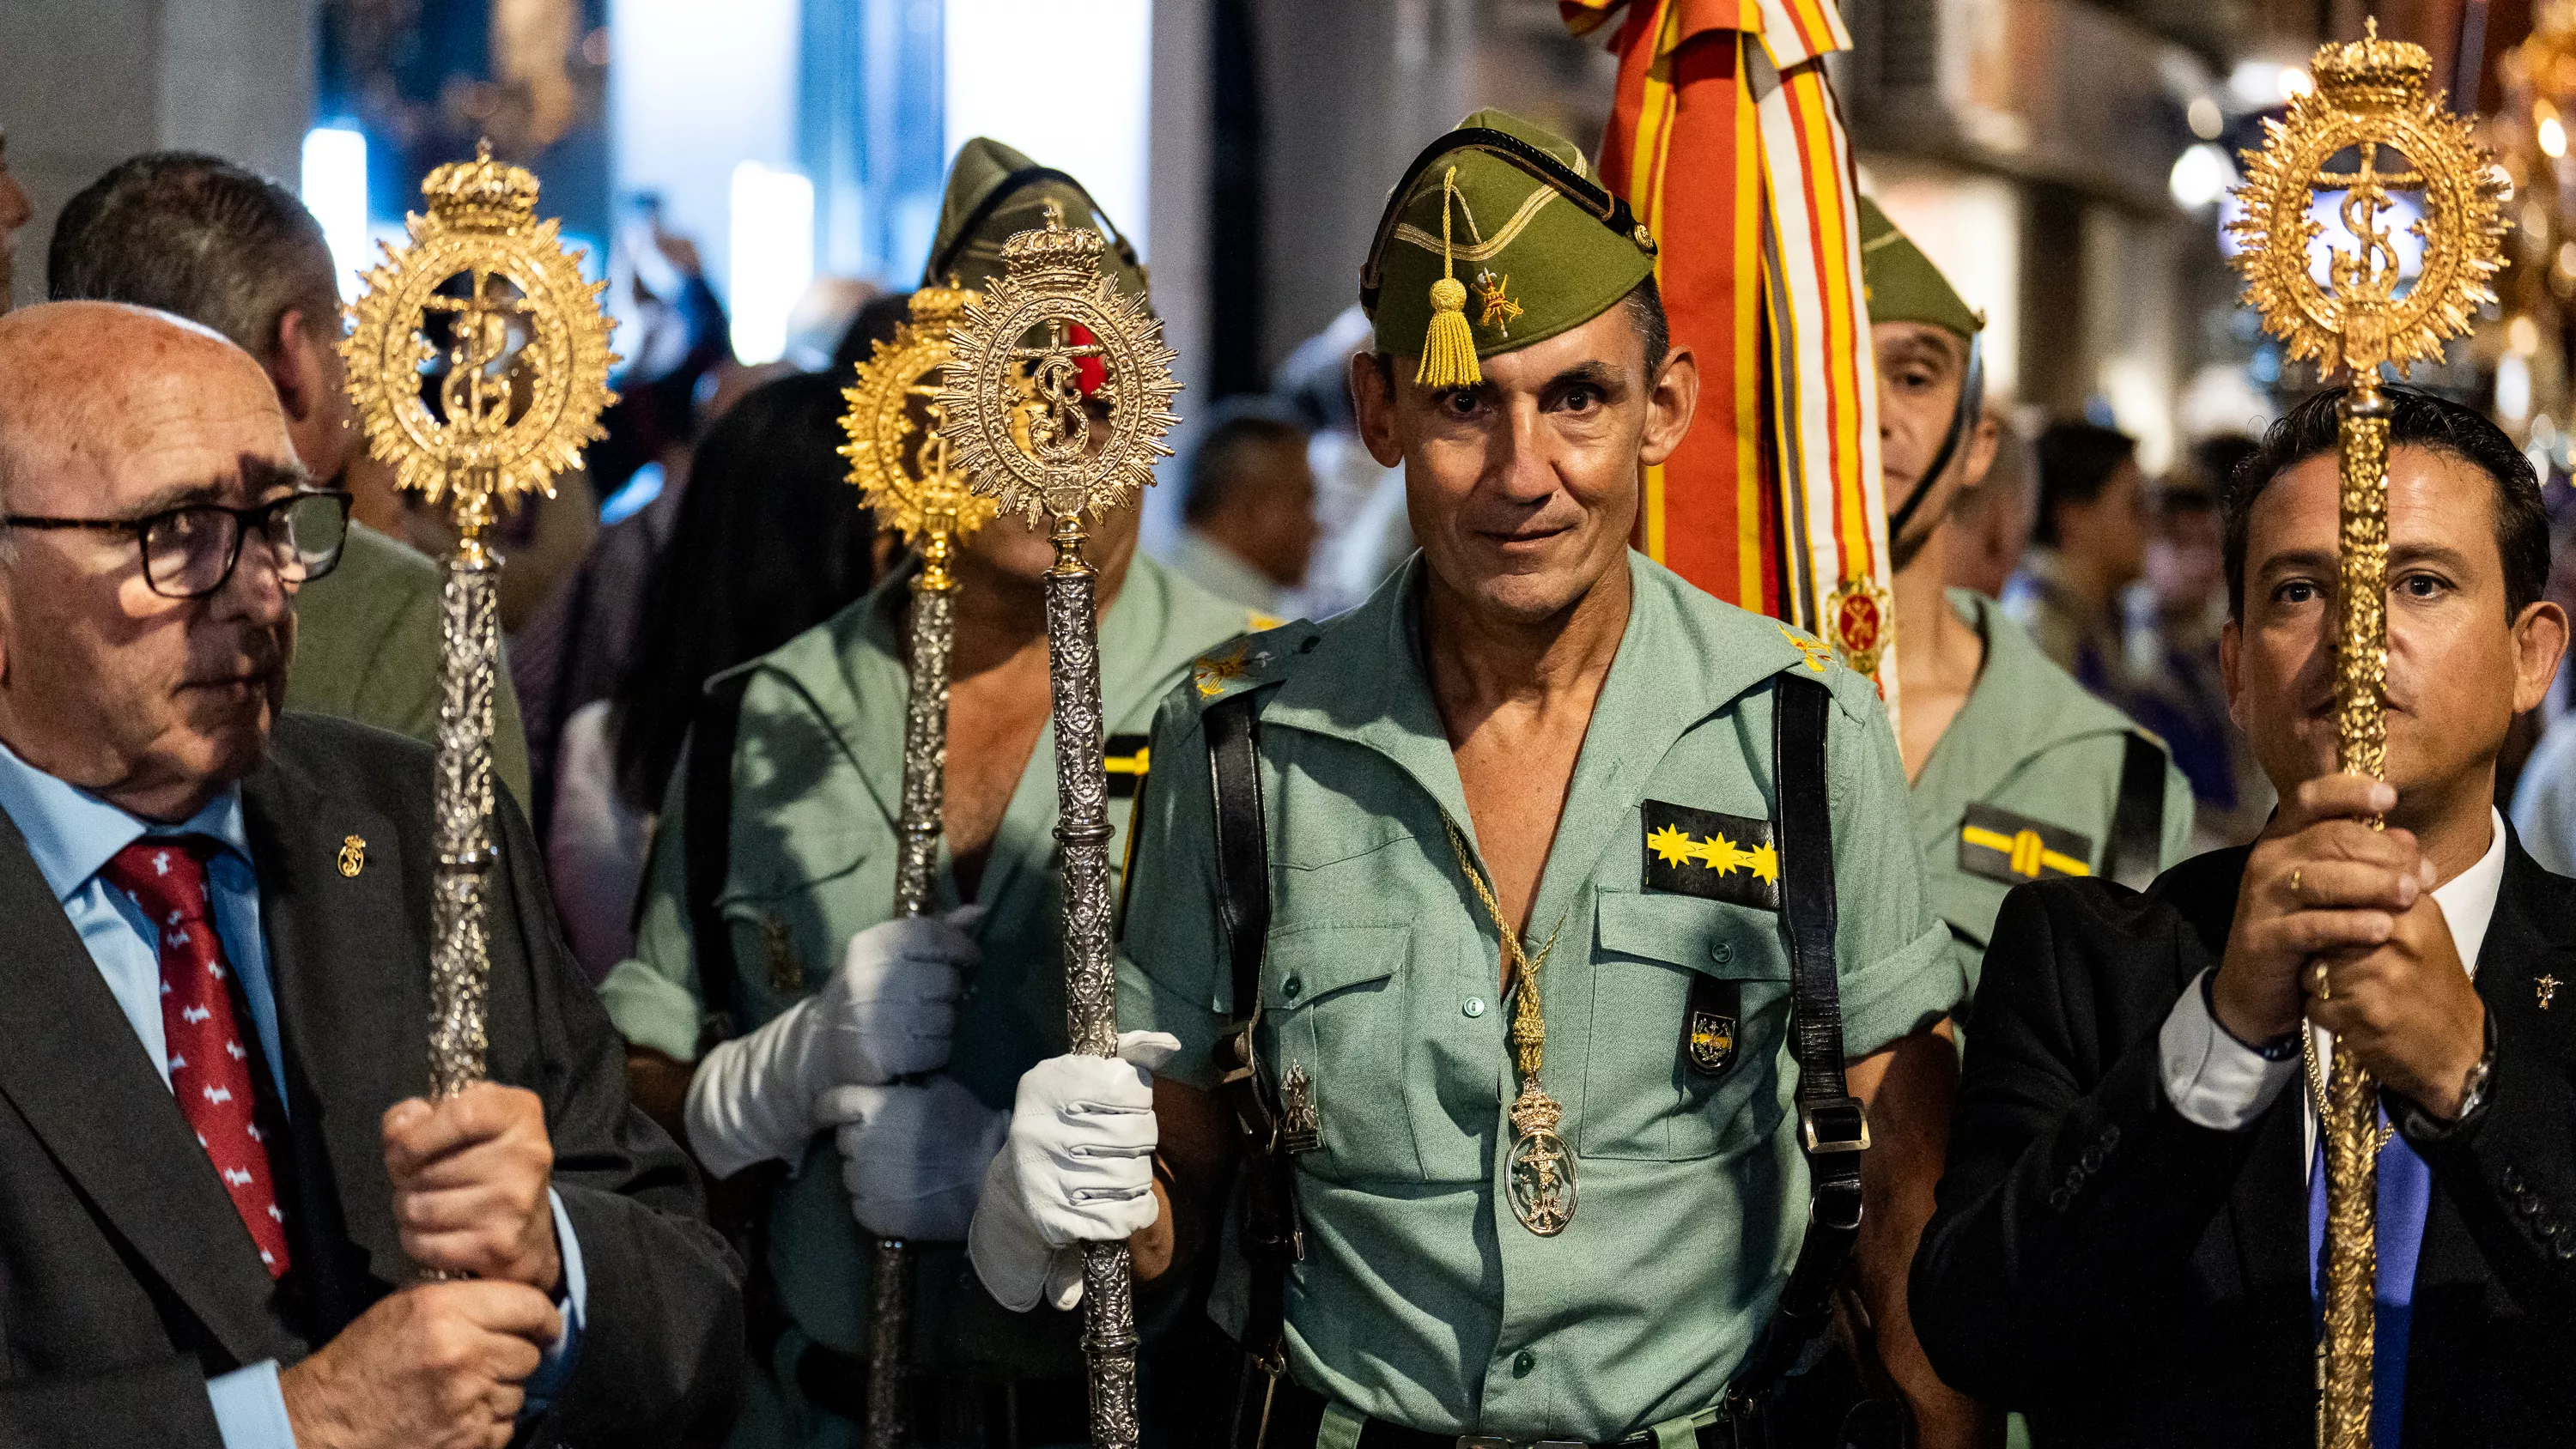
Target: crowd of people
1560, 1007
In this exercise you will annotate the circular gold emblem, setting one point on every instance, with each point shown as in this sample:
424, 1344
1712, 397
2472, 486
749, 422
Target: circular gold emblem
1028, 337
524, 364
898, 458
2368, 130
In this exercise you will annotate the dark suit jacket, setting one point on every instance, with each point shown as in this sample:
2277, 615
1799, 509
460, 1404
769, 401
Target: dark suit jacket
2127, 1278
125, 1278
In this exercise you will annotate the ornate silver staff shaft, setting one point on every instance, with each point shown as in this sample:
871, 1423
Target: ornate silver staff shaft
461, 809
925, 789
1091, 984
1022, 426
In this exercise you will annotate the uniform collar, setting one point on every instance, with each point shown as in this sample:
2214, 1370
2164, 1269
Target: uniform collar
1366, 682
2022, 704
73, 834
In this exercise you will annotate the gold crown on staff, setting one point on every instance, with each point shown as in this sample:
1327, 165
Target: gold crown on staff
2370, 100
2371, 73
528, 362
482, 193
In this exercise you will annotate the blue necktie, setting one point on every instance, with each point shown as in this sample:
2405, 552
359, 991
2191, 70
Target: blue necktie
2405, 1195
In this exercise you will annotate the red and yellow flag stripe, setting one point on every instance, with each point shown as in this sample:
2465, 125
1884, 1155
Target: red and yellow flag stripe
1726, 139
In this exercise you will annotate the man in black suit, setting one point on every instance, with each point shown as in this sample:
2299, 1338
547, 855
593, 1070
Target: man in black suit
2126, 1240
220, 1239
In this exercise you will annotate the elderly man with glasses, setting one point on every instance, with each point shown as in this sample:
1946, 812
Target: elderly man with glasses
227, 1215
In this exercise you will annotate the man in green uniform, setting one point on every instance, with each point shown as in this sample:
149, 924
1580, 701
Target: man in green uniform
1528, 862
842, 1009
2019, 773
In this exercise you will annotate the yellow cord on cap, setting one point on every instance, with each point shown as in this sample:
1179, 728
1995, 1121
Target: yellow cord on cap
1449, 349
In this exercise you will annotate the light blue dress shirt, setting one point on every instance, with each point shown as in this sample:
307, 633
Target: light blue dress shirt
73, 835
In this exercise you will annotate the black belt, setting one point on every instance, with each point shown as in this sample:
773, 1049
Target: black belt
1297, 1412
970, 1413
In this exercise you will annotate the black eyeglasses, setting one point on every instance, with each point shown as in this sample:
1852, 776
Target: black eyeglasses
190, 551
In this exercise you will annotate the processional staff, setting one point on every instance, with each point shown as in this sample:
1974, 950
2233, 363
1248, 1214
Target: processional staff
2371, 114
1016, 419
900, 462
520, 375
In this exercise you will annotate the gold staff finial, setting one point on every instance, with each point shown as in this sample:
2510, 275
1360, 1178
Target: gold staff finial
899, 460
486, 308
1019, 419
2349, 306
525, 360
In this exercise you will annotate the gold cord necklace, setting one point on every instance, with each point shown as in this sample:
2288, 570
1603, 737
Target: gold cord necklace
1540, 1173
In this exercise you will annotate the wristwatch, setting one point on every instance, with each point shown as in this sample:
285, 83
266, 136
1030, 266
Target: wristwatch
2420, 1125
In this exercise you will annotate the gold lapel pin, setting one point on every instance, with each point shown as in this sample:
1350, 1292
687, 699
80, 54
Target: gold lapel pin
2548, 990
353, 856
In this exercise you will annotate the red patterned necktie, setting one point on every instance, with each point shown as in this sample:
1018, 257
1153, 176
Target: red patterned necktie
214, 1071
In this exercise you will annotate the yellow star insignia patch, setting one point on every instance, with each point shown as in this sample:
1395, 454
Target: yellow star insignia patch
1672, 845
1719, 854
1765, 862
1710, 854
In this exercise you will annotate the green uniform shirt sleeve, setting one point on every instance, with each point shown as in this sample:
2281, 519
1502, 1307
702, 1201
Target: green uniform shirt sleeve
654, 996
1172, 970
1892, 954
2180, 813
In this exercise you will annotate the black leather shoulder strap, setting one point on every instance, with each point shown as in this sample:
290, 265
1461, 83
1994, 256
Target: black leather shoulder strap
1242, 842
1832, 1130
2138, 821
708, 817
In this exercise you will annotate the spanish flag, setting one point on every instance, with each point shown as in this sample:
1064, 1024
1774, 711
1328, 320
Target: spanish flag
1726, 141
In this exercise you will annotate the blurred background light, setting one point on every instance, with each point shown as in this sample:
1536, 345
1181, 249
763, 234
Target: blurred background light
334, 189
772, 245
1070, 85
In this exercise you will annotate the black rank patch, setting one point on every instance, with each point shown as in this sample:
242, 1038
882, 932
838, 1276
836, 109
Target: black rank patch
1716, 856
2000, 845
1126, 757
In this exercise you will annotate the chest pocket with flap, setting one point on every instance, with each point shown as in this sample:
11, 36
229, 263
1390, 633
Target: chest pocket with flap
1639, 1100
1333, 994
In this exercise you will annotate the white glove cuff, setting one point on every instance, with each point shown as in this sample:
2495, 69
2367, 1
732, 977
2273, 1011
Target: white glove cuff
749, 1101
1003, 1242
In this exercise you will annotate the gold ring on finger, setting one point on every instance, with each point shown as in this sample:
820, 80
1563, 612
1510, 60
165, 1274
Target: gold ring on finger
2319, 983
2295, 872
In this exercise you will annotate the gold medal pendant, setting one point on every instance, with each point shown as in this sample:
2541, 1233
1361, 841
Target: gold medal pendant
1539, 1176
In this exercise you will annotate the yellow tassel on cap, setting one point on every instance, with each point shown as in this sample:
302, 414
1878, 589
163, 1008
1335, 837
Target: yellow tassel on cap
1449, 348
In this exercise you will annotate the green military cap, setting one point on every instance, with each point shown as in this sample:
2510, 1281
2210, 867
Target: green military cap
1902, 283
1496, 237
994, 191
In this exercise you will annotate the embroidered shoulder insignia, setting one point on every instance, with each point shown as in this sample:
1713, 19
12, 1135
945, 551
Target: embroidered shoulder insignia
1817, 652
1713, 855
1212, 673
2000, 845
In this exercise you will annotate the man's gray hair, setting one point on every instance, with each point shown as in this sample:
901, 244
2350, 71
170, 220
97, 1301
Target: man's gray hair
199, 236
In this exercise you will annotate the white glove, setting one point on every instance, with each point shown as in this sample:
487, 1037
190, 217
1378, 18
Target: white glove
913, 1156
1078, 1167
888, 1012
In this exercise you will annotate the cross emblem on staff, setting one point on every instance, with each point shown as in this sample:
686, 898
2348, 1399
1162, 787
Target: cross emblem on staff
930, 459
1060, 432
2369, 275
477, 403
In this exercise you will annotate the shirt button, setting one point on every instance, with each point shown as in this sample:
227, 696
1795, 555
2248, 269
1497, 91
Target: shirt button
1291, 987
1522, 1363
1721, 953
1473, 1006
